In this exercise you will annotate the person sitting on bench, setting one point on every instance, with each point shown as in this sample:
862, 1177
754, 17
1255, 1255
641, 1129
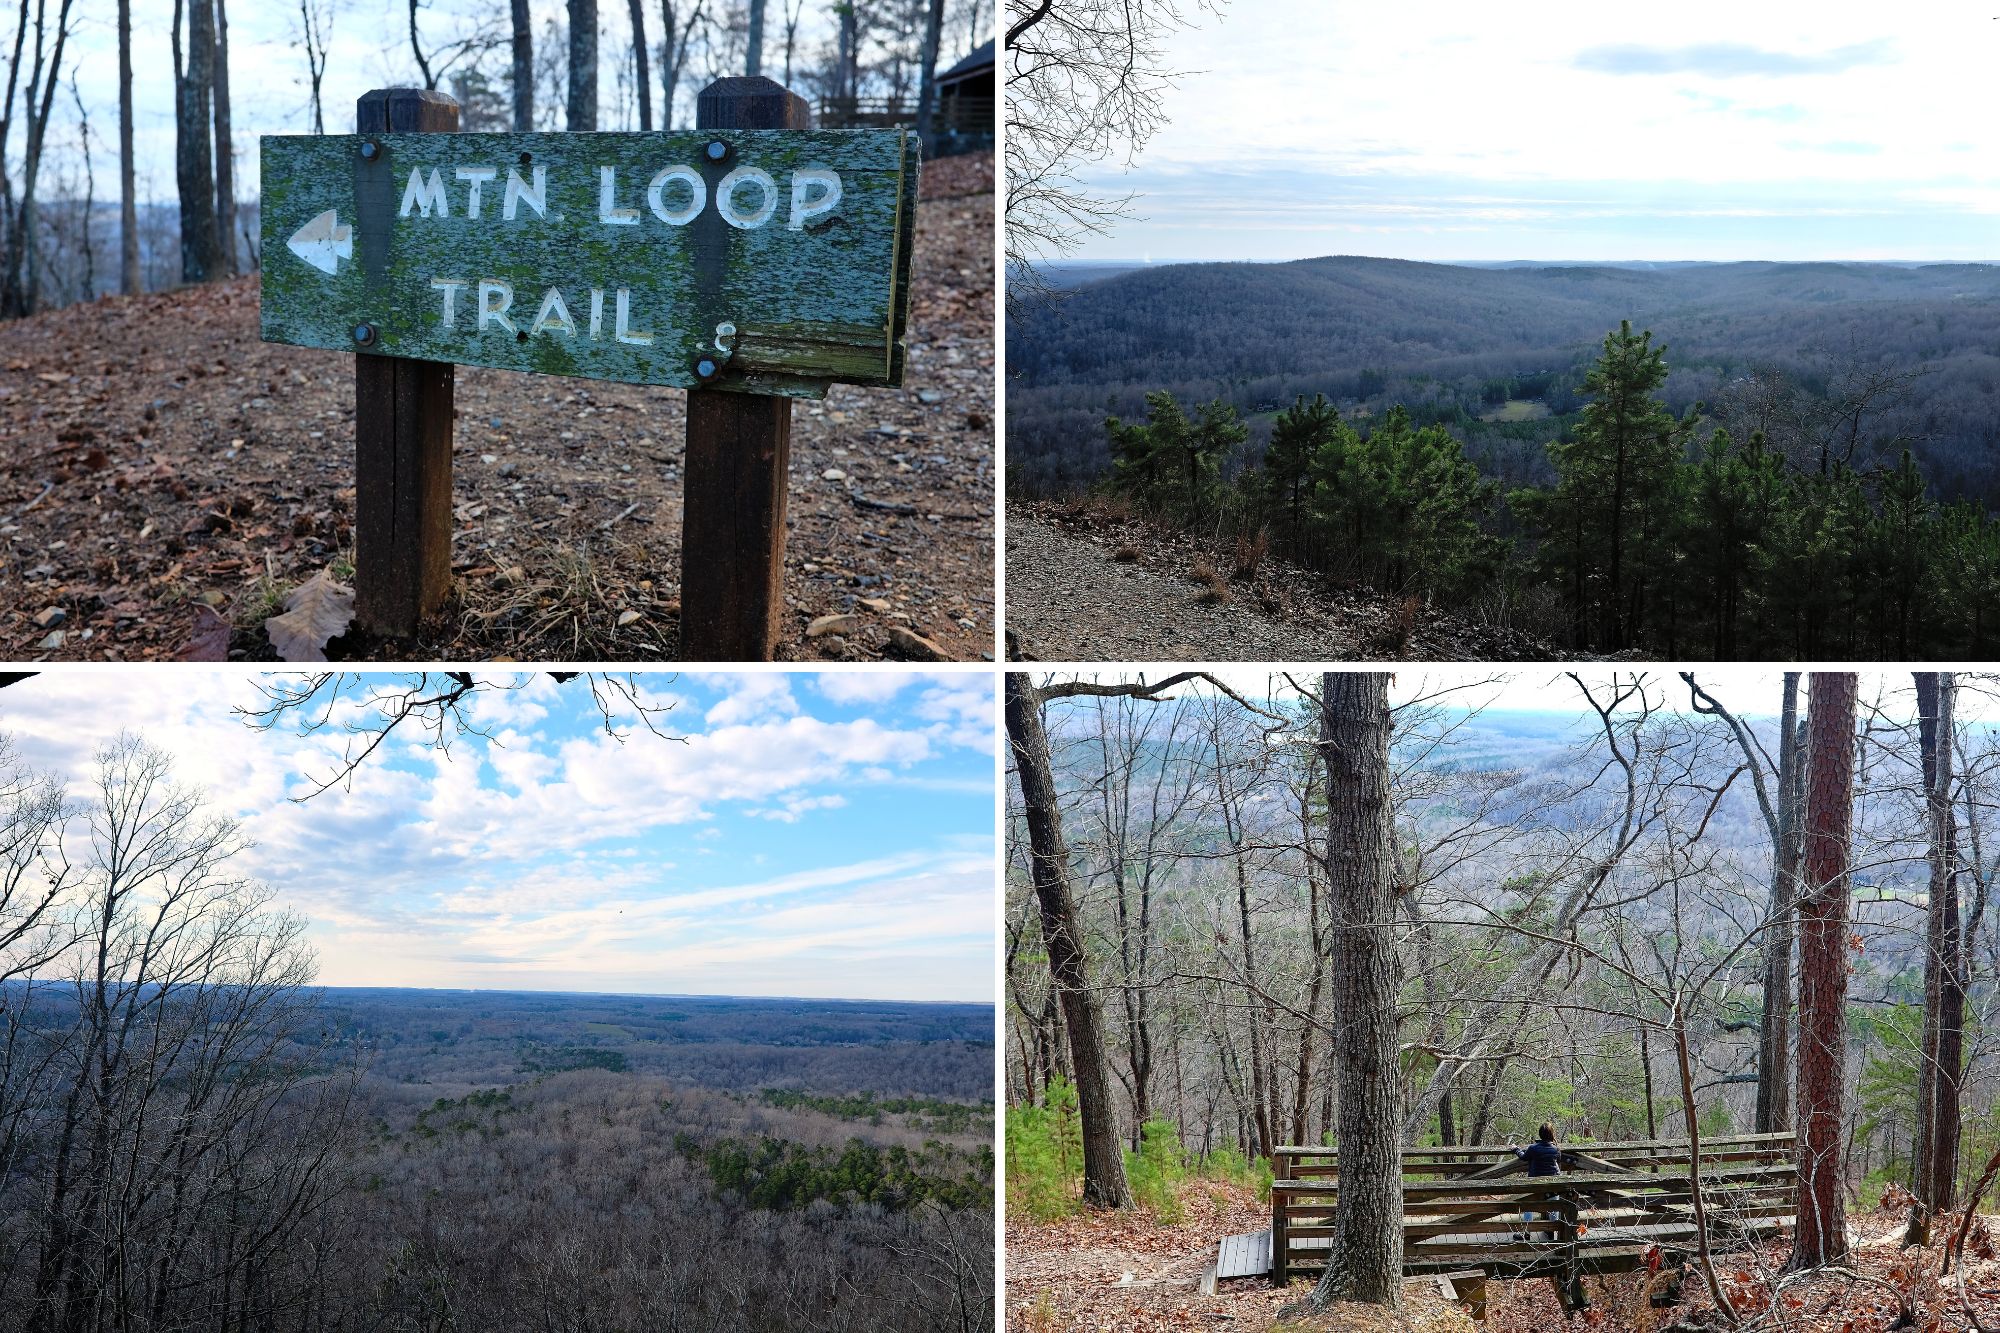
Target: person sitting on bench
1543, 1159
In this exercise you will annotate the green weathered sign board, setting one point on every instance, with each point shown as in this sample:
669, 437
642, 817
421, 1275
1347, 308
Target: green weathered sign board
767, 261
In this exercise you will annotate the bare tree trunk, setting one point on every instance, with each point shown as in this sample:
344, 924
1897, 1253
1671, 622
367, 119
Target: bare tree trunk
225, 158
1940, 1068
194, 168
1774, 1040
128, 190
927, 87
1366, 1261
753, 60
644, 72
582, 65
1104, 1183
1829, 816
524, 67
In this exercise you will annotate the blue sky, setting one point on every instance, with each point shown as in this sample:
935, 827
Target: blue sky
812, 834
1448, 129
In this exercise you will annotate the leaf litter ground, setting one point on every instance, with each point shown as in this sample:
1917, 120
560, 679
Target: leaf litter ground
160, 467
1120, 1272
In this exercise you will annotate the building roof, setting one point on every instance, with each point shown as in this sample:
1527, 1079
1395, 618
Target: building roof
979, 62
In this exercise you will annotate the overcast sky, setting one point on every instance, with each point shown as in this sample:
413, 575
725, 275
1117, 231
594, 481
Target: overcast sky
826, 835
1455, 129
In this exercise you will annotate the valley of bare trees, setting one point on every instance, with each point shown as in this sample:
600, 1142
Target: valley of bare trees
194, 1136
1257, 922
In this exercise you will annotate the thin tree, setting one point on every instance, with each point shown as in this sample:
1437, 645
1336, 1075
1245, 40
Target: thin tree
582, 65
678, 25
194, 168
1823, 963
128, 193
17, 217
927, 87
794, 10
225, 153
643, 70
1104, 1184
1941, 1064
1366, 1261
753, 56
315, 31
524, 67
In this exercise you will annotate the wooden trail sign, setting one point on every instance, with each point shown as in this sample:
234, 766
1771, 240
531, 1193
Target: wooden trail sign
771, 261
752, 255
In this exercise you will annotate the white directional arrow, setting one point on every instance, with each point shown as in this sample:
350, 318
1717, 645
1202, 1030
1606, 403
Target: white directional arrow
323, 242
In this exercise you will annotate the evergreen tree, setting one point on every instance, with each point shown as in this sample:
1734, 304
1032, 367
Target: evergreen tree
1170, 461
1615, 484
1297, 436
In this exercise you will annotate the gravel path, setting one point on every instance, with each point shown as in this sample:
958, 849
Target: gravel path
1069, 601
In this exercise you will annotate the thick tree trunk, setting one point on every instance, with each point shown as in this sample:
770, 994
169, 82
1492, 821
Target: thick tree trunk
1062, 933
643, 73
1940, 1070
1774, 1042
524, 67
194, 172
225, 163
582, 65
1823, 963
128, 191
1366, 1262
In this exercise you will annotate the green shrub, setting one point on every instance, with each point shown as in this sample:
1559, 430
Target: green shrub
1230, 1166
1045, 1156
1157, 1169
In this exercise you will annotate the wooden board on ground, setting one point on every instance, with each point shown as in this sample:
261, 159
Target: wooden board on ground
777, 261
1244, 1256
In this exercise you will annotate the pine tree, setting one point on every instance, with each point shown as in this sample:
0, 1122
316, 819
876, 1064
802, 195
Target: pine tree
1170, 461
1615, 481
1297, 436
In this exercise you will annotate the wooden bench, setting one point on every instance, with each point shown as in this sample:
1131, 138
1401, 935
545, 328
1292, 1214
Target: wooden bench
1609, 1220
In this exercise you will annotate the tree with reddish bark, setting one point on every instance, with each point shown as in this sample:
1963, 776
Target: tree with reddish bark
1823, 963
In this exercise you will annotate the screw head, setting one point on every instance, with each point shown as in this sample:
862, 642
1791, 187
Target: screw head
716, 150
370, 151
706, 368
364, 334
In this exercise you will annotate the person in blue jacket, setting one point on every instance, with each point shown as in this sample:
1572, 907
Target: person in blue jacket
1543, 1159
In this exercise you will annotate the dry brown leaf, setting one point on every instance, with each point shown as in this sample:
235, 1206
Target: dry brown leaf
317, 610
208, 639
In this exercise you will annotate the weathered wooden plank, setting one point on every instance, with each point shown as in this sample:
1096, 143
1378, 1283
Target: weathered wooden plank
784, 262
402, 437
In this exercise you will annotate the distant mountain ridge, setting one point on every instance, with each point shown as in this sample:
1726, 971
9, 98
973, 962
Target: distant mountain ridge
1454, 340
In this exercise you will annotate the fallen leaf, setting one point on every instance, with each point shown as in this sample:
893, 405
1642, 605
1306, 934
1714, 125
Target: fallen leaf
208, 639
317, 610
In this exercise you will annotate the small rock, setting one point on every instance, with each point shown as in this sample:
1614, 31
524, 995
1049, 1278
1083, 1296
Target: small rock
494, 423
833, 474
50, 618
489, 458
915, 644
834, 624
512, 574
216, 598
876, 604
929, 396
626, 617
54, 640
963, 623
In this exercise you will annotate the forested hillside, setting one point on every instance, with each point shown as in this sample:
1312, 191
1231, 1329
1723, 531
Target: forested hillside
192, 1136
1786, 461
1500, 354
1602, 903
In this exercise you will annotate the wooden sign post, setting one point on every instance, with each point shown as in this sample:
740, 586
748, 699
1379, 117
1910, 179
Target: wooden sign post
751, 261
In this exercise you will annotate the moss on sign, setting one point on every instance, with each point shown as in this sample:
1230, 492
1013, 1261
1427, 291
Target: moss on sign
782, 260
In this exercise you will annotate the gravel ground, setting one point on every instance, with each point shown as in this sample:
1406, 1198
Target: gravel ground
1069, 600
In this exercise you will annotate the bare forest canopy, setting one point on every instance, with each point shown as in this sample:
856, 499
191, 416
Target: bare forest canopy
80, 219
192, 1135
1578, 888
1777, 461
1499, 355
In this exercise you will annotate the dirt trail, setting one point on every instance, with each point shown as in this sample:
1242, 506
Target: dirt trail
1069, 599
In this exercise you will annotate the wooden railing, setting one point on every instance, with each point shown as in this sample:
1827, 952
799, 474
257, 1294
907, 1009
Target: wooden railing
1465, 1208
971, 116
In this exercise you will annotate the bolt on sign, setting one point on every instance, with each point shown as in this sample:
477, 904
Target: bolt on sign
767, 261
